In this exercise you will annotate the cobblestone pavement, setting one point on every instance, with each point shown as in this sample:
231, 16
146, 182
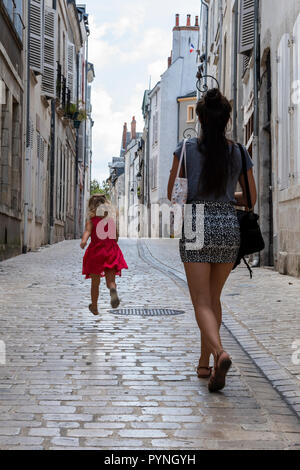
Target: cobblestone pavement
74, 381
262, 313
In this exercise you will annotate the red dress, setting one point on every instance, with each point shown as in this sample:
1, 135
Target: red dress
102, 254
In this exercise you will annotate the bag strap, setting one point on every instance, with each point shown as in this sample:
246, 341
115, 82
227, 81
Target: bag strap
183, 156
244, 163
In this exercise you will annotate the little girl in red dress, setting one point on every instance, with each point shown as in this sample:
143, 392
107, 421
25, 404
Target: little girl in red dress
103, 257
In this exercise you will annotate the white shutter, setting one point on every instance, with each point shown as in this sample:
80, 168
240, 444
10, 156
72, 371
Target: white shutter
296, 103
50, 37
80, 77
246, 26
71, 70
284, 97
36, 35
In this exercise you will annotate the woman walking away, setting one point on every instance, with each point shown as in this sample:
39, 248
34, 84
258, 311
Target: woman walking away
214, 167
103, 257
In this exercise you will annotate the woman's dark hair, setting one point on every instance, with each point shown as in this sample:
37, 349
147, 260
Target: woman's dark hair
214, 112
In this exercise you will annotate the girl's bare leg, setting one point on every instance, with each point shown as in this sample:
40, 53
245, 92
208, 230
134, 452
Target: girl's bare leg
95, 290
110, 275
111, 285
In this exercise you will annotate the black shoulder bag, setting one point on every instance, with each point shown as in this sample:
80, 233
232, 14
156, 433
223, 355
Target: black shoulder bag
251, 238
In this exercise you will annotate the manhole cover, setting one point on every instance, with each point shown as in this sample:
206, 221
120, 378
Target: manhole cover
144, 312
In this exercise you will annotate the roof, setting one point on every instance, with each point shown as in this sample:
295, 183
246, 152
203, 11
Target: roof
193, 94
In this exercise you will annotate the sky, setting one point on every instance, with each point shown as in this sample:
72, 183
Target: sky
130, 42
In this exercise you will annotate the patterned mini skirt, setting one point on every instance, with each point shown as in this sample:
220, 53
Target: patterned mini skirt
210, 233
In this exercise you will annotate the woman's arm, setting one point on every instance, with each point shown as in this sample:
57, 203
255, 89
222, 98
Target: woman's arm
241, 197
173, 174
87, 234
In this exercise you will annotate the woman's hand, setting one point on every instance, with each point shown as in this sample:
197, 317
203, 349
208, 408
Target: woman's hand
83, 245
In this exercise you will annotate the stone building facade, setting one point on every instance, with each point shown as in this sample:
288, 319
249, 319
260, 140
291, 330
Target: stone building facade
12, 118
46, 123
254, 55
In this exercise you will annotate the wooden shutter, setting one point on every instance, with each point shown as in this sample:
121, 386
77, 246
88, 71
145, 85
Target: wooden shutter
49, 73
36, 35
295, 99
71, 70
284, 100
246, 26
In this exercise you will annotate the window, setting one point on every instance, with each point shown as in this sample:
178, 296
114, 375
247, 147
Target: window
155, 129
249, 130
14, 9
154, 172
295, 103
191, 113
39, 177
246, 26
284, 90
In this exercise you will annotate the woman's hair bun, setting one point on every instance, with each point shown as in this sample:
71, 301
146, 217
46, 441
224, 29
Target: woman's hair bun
213, 96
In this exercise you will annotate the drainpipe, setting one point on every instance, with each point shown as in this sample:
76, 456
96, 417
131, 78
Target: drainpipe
205, 5
257, 258
148, 172
76, 159
27, 168
256, 67
85, 166
52, 164
235, 64
221, 43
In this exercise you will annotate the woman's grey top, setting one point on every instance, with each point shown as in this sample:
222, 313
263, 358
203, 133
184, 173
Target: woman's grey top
194, 162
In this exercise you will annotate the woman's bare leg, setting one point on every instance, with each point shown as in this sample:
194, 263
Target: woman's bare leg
95, 290
199, 281
218, 278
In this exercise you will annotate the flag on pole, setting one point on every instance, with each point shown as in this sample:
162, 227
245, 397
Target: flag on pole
192, 48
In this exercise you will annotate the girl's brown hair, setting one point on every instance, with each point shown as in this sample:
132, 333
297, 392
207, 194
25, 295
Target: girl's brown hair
95, 201
214, 112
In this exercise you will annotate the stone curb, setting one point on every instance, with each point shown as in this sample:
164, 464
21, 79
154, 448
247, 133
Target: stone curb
263, 361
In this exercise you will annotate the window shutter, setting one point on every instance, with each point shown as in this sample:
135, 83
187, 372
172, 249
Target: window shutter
246, 26
36, 35
296, 104
284, 96
71, 70
49, 73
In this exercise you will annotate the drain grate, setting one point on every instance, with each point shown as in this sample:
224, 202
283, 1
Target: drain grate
145, 312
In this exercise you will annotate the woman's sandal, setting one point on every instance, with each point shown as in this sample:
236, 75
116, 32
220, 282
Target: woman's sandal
204, 376
218, 379
93, 310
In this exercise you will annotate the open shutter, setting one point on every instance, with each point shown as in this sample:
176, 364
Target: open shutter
295, 103
246, 26
71, 70
284, 99
36, 35
49, 74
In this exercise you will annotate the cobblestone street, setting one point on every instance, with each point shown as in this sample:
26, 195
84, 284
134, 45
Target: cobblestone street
127, 382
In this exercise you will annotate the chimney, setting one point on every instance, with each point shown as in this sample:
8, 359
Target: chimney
188, 20
133, 128
124, 138
197, 21
177, 21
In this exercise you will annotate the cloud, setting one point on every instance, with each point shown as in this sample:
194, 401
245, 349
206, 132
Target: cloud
108, 128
